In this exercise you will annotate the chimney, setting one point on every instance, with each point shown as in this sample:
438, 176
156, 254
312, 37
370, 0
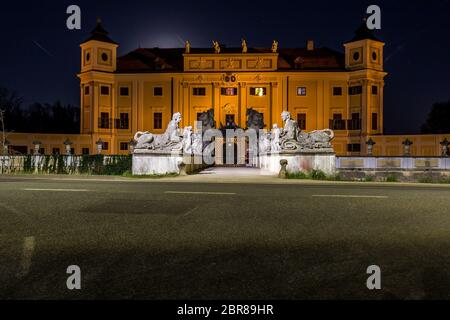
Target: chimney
310, 45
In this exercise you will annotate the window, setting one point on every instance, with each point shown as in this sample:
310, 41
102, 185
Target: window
199, 91
55, 151
104, 90
105, 146
374, 90
86, 90
228, 91
103, 121
353, 147
104, 57
124, 91
199, 114
259, 92
85, 151
337, 123
157, 120
337, 91
157, 91
374, 56
354, 123
356, 56
355, 90
301, 91
123, 146
374, 121
122, 122
301, 121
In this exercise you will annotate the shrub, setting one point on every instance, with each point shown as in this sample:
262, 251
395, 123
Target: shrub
318, 175
369, 178
297, 175
391, 178
425, 179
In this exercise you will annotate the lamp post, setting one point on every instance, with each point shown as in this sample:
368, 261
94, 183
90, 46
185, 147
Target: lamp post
99, 144
37, 146
68, 145
407, 147
370, 143
444, 143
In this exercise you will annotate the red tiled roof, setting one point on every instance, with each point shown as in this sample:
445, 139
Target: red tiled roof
171, 60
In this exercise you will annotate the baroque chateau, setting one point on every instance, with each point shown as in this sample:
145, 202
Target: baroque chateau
320, 87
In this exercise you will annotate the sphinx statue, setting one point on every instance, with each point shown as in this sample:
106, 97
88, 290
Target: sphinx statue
170, 140
292, 139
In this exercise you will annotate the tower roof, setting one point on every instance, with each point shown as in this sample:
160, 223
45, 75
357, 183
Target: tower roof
364, 33
100, 34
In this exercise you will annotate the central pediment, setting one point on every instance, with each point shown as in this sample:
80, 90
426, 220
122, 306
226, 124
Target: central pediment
230, 62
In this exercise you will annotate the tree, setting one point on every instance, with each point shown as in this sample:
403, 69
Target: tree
12, 110
438, 120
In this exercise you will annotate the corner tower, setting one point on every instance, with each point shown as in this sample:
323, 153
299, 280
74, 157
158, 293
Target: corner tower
98, 52
97, 90
364, 61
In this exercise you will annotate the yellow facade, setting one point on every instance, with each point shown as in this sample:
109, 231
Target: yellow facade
321, 88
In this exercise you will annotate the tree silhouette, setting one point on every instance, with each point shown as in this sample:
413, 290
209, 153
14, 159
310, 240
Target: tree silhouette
38, 117
438, 120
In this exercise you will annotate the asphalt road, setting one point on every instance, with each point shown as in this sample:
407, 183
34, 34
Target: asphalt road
169, 240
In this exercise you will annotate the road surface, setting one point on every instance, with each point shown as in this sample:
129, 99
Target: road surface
162, 239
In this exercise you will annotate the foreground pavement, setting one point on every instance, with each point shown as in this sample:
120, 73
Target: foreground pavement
223, 238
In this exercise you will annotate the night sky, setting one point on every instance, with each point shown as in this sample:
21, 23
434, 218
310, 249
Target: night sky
40, 56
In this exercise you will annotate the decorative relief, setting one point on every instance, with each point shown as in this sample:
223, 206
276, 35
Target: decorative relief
259, 63
230, 64
201, 63
228, 108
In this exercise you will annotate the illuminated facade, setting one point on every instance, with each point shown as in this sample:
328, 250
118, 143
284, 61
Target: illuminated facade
322, 88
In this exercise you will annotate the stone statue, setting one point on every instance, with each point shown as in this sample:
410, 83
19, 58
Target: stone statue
216, 46
170, 140
244, 46
275, 46
275, 143
290, 129
293, 140
187, 140
264, 142
187, 47
207, 119
255, 119
197, 144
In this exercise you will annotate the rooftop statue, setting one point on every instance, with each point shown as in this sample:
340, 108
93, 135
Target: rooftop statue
187, 47
275, 46
216, 46
244, 46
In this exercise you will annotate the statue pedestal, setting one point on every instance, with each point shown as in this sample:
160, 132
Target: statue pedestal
299, 162
153, 163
